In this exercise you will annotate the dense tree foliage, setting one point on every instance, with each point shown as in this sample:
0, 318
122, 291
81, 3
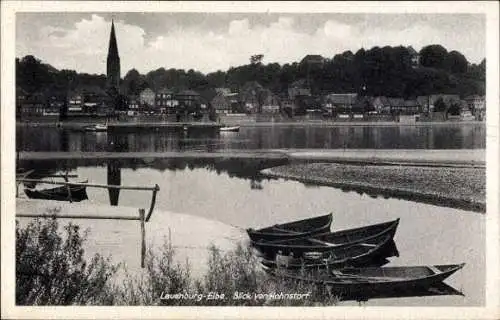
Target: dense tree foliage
377, 71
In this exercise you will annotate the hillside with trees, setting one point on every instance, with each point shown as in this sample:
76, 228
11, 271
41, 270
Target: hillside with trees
378, 71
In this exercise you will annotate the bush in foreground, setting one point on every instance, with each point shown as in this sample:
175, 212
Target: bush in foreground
51, 270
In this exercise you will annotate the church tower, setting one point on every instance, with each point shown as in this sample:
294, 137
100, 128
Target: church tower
113, 63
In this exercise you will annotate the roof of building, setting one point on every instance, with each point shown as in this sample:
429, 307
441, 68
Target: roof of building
165, 91
410, 103
188, 92
342, 98
147, 90
396, 102
383, 100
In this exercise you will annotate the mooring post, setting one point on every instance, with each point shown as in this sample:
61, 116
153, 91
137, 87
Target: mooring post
153, 201
143, 237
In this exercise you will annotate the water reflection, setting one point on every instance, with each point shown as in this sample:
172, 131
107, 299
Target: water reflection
248, 169
114, 178
450, 136
439, 289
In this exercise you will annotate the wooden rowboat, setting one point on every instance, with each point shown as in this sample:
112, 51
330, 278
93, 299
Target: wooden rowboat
373, 252
78, 193
371, 281
326, 241
230, 129
294, 229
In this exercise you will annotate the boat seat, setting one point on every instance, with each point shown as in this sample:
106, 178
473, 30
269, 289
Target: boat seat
368, 245
434, 269
328, 244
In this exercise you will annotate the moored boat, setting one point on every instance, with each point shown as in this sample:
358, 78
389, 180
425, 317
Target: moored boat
294, 229
78, 193
373, 252
374, 280
326, 241
230, 129
97, 127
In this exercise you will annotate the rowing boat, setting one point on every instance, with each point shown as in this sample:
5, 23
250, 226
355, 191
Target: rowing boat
78, 193
294, 229
326, 241
230, 129
373, 252
374, 280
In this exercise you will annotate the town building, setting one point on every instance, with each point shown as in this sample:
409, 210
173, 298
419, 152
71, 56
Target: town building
166, 101
270, 102
133, 106
33, 104
477, 106
56, 101
381, 105
75, 103
224, 103
251, 95
340, 102
427, 103
188, 100
147, 98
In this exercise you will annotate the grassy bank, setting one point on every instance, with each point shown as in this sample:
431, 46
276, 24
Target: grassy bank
462, 188
51, 270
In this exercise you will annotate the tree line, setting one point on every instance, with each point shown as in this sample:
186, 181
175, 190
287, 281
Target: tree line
379, 71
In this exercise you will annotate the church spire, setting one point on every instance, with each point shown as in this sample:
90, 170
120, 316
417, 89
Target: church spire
113, 63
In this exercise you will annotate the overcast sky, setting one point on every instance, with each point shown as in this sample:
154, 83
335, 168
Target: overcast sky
215, 41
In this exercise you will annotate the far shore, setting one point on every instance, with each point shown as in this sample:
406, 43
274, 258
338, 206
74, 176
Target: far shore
78, 124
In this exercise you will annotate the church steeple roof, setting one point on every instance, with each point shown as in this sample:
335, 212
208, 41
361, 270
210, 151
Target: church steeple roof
113, 48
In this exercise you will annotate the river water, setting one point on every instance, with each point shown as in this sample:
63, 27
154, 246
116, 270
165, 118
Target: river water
235, 194
447, 136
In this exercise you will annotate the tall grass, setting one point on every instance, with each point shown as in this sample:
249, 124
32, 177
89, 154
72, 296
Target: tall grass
51, 270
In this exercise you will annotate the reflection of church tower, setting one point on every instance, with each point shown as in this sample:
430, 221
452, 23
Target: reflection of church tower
113, 63
114, 178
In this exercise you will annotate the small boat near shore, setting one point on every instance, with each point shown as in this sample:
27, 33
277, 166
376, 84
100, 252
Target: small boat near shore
99, 127
373, 252
230, 129
327, 241
375, 280
294, 229
74, 193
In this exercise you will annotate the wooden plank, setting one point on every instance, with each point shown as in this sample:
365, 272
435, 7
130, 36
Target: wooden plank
74, 216
89, 184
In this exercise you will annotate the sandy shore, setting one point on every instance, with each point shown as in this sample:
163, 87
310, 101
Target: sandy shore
468, 157
462, 188
121, 240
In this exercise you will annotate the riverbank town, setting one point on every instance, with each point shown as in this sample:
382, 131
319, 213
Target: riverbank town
405, 86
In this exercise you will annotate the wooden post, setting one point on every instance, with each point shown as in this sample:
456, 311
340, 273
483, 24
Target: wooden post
153, 201
68, 187
143, 237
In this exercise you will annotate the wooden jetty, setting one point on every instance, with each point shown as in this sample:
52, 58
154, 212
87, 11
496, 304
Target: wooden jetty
141, 216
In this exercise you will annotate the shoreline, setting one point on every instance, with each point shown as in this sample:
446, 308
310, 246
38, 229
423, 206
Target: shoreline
420, 157
242, 123
344, 177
